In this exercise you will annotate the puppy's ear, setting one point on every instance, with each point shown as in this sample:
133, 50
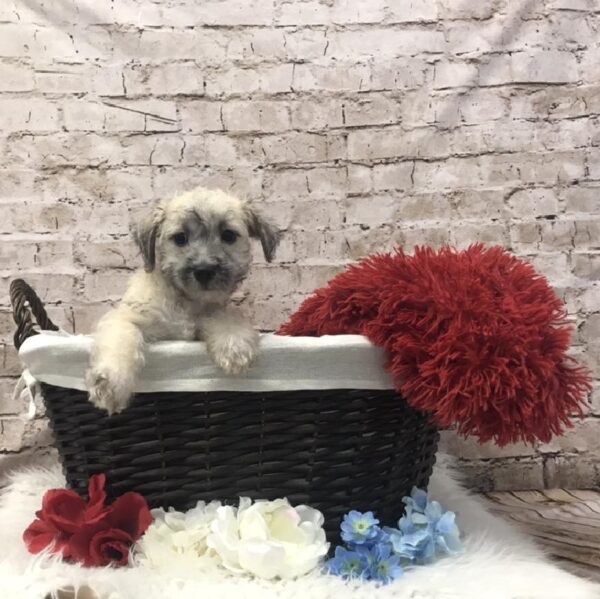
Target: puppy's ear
145, 236
262, 229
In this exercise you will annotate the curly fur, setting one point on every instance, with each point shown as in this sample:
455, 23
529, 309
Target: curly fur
475, 338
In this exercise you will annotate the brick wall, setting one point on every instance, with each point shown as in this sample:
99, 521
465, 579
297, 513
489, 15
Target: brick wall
357, 124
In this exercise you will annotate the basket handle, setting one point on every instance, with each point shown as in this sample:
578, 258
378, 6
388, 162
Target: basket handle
25, 304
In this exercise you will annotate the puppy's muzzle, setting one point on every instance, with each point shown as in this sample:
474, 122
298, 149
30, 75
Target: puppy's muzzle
205, 274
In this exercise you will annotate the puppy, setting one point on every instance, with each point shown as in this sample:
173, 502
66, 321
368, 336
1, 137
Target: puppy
196, 251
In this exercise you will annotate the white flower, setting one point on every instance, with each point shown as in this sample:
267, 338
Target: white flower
269, 538
175, 542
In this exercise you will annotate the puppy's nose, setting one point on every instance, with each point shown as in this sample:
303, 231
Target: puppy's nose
205, 274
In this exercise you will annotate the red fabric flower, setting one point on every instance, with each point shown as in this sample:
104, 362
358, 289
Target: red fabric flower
91, 532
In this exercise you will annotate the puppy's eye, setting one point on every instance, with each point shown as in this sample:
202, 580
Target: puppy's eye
229, 236
180, 239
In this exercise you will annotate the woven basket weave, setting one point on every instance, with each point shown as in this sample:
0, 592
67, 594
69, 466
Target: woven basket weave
334, 450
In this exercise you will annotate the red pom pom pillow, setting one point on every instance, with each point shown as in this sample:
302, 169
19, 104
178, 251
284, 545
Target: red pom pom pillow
475, 338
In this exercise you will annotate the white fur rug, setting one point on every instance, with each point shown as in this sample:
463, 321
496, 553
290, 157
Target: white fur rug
499, 563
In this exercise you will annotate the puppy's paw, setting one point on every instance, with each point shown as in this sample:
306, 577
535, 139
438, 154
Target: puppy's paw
105, 392
234, 354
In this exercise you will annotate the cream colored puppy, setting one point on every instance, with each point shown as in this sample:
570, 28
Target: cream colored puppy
196, 250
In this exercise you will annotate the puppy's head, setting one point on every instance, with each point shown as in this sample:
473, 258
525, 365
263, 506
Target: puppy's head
200, 242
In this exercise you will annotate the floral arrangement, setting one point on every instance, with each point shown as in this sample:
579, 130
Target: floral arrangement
424, 534
265, 539
91, 533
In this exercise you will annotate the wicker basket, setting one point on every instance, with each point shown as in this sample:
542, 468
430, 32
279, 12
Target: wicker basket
335, 450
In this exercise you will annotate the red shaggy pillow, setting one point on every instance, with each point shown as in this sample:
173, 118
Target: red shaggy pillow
475, 338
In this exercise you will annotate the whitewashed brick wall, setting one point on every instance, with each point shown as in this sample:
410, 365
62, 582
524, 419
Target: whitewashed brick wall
357, 124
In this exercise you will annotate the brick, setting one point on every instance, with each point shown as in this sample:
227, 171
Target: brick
476, 10
316, 214
295, 147
593, 166
470, 448
595, 400
304, 45
97, 254
236, 12
347, 45
16, 78
590, 329
509, 474
590, 65
393, 176
256, 45
15, 39
314, 115
9, 359
256, 116
553, 265
392, 143
33, 115
268, 79
360, 179
530, 203
400, 74
348, 11
423, 234
104, 286
572, 472
35, 253
312, 276
587, 232
408, 11
550, 168
582, 199
8, 405
582, 438
446, 175
573, 5
483, 203
588, 299
371, 110
338, 77
481, 107
549, 66
359, 243
371, 211
164, 80
424, 207
327, 182
454, 74
586, 265
242, 181
303, 13
200, 115
557, 234
464, 235
164, 44
525, 236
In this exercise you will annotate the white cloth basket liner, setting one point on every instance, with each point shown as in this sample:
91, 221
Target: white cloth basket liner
283, 364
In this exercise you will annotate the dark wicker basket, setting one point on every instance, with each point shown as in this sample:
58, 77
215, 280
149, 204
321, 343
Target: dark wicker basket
333, 450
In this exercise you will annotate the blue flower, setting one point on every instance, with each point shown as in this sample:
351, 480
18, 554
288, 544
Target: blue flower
383, 566
417, 501
348, 564
358, 528
425, 531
